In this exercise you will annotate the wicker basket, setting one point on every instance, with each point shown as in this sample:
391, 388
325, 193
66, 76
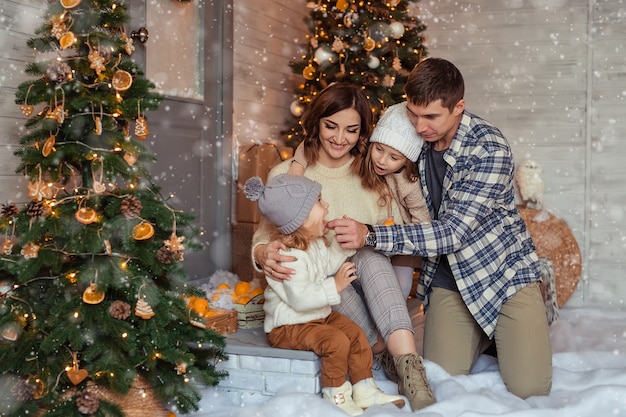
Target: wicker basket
554, 239
139, 402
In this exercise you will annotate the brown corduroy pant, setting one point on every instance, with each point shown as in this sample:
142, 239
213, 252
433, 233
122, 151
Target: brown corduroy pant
340, 343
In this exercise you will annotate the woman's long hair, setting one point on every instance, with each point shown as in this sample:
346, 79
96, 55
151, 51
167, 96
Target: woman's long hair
335, 98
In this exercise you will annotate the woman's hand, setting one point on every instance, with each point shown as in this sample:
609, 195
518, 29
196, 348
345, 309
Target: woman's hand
345, 275
269, 260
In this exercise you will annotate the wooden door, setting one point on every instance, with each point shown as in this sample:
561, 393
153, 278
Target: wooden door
190, 133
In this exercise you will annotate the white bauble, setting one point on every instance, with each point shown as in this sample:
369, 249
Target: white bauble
296, 108
373, 62
323, 55
396, 29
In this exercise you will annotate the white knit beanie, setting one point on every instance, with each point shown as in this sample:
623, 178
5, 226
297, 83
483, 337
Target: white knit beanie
396, 130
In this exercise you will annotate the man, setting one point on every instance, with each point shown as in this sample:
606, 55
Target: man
480, 272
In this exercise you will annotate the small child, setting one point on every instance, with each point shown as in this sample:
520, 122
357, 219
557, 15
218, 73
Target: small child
298, 312
389, 169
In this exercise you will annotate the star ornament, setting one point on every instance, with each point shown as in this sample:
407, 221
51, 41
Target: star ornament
175, 243
30, 250
97, 62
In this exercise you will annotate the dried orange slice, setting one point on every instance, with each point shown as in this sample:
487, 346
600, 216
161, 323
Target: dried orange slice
369, 44
309, 72
122, 80
68, 4
48, 146
92, 296
143, 231
86, 215
67, 40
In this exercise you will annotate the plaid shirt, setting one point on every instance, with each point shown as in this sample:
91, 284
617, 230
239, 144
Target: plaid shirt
479, 228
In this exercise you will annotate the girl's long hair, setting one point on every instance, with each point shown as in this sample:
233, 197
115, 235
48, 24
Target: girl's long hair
375, 182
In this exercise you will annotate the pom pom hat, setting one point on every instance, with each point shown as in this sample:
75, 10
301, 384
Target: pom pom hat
396, 130
286, 200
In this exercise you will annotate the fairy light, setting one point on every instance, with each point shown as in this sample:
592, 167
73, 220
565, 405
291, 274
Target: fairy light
71, 276
76, 314
124, 335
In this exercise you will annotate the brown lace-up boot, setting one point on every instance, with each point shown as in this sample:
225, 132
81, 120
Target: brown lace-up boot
412, 382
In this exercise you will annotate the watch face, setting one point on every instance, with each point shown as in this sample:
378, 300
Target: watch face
370, 239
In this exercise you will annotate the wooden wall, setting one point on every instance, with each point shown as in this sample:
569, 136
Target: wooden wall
551, 75
19, 19
267, 35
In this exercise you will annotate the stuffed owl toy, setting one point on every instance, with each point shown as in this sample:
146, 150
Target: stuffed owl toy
529, 181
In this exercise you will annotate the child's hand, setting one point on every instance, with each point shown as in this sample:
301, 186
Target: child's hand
345, 275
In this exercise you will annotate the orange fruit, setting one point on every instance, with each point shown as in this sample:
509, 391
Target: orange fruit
200, 305
48, 146
243, 299
122, 80
68, 4
242, 287
143, 231
86, 215
223, 286
255, 292
92, 296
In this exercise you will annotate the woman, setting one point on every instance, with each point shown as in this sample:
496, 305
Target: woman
337, 127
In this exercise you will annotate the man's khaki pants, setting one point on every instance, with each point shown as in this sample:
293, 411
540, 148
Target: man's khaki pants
453, 339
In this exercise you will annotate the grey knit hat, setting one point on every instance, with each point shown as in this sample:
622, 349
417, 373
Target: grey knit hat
286, 200
396, 130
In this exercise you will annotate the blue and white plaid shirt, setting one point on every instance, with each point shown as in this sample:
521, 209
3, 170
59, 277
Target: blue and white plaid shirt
479, 228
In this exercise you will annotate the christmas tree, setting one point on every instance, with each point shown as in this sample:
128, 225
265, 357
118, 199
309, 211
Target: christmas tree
92, 293
371, 43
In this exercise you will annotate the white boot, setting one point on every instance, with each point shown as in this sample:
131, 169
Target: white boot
342, 398
366, 394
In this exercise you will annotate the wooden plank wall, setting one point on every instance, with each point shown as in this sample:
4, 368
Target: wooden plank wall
19, 19
551, 75
267, 35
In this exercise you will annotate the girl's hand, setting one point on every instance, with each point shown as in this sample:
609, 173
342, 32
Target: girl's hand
269, 260
345, 275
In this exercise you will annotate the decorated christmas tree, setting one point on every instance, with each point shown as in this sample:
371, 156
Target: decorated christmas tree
370, 43
93, 300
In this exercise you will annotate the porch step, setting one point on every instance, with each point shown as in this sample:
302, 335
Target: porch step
258, 371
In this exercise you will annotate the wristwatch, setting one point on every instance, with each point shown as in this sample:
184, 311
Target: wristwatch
370, 237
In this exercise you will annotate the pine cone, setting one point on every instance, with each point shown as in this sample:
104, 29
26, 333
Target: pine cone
165, 255
87, 402
9, 210
119, 310
35, 209
23, 391
131, 207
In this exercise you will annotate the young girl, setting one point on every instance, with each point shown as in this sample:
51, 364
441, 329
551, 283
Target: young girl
298, 311
389, 169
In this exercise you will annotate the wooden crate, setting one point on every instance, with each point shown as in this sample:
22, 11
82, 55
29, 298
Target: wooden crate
251, 315
222, 321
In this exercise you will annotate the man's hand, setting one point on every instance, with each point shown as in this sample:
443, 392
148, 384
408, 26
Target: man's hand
349, 233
